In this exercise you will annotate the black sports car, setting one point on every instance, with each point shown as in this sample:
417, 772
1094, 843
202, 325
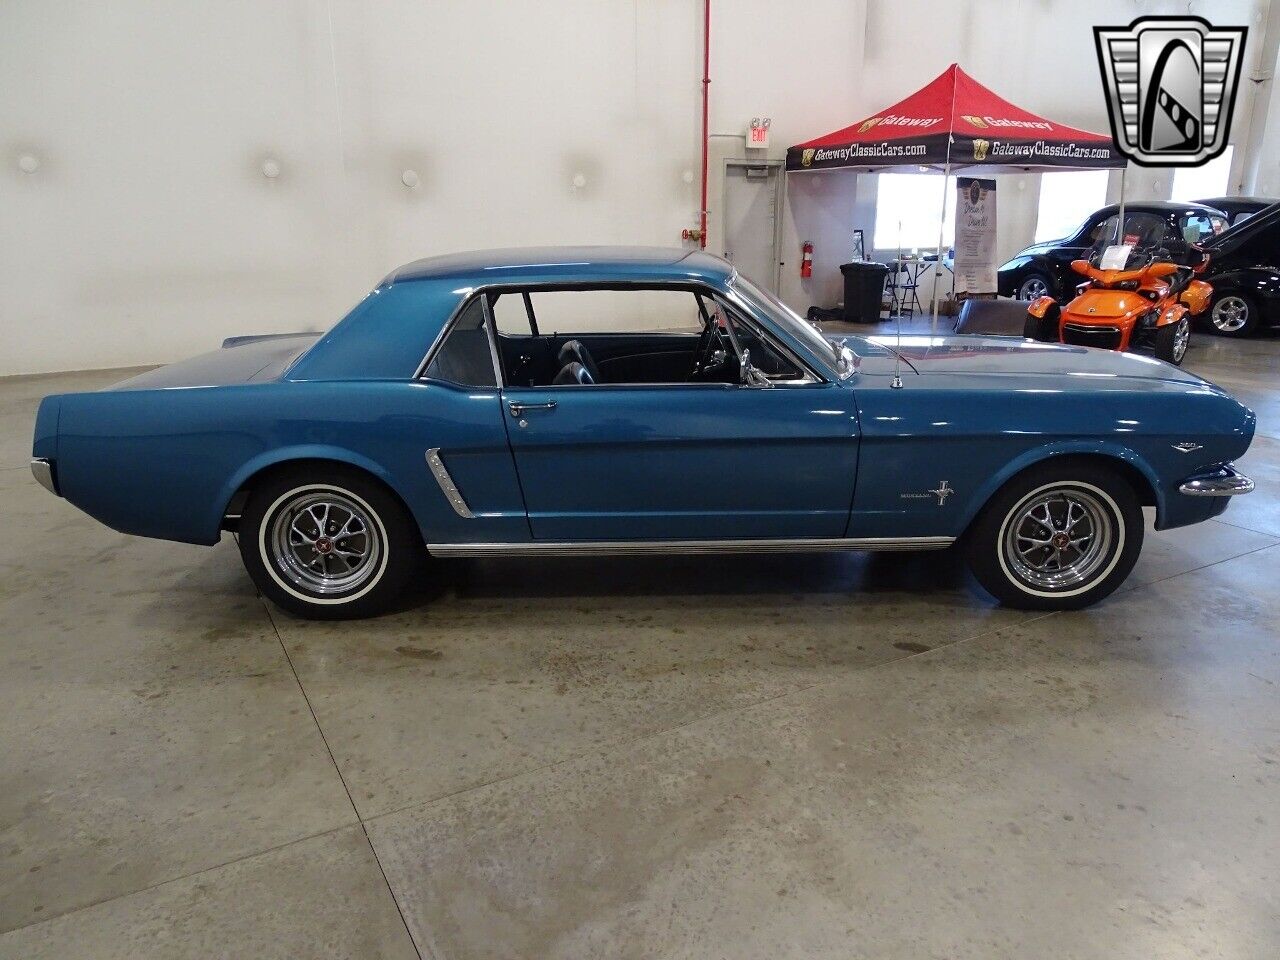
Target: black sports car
1238, 209
1244, 270
1045, 268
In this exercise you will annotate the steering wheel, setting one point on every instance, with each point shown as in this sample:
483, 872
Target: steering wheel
708, 341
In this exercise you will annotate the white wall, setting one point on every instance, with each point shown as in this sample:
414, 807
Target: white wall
149, 232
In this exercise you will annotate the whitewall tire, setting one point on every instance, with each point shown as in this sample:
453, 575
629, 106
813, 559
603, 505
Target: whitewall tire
329, 542
1059, 536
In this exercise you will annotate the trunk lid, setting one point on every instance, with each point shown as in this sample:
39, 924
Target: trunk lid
241, 360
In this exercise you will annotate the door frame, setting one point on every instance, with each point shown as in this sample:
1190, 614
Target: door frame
779, 196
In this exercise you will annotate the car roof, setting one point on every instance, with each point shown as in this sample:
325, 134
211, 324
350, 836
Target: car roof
1238, 203
567, 264
1158, 206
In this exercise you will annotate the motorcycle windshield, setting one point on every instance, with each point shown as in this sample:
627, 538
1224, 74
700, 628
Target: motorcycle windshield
1140, 244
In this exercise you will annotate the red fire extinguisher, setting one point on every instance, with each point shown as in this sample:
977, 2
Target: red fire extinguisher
806, 259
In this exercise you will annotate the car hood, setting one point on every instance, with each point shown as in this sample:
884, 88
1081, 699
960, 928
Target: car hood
1036, 248
241, 360
1013, 356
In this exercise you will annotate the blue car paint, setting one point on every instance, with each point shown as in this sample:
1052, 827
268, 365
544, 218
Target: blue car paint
162, 455
699, 461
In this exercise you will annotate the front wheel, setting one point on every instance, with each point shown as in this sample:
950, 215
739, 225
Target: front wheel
1034, 286
328, 543
1044, 329
1059, 537
1172, 341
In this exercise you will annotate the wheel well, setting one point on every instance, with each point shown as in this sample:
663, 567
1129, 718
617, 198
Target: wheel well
235, 506
1141, 486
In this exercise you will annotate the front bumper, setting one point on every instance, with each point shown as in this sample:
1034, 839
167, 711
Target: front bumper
1223, 481
42, 470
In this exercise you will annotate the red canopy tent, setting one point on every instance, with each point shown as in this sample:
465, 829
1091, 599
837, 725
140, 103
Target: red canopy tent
956, 124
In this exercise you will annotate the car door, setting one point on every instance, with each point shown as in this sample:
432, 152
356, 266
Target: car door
681, 460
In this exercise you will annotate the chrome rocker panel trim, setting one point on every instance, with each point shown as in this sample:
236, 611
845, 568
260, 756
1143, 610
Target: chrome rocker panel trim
42, 470
610, 548
1226, 481
447, 486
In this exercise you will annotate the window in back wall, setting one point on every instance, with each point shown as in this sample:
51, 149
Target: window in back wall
1066, 198
907, 208
1206, 182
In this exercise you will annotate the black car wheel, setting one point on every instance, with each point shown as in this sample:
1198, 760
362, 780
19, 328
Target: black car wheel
1172, 340
1233, 315
1034, 286
1060, 536
329, 543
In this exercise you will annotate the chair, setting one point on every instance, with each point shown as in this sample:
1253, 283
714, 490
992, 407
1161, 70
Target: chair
902, 285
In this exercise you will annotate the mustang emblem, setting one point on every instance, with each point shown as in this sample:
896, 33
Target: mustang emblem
941, 491
1188, 447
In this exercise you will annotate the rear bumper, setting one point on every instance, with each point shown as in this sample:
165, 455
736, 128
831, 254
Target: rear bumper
1223, 481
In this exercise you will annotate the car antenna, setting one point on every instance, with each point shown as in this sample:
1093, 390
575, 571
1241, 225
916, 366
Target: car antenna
896, 382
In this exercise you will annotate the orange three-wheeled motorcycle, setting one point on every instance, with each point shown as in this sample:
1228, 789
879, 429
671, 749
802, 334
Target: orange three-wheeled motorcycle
1145, 304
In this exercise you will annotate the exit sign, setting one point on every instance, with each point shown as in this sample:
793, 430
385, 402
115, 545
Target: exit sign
758, 133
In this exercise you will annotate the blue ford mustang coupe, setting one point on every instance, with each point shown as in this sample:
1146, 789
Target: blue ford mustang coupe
613, 401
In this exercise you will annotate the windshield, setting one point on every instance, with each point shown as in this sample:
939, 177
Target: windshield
800, 328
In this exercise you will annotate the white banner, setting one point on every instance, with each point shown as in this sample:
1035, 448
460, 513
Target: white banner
975, 262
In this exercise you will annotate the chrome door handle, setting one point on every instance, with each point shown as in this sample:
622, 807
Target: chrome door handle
517, 409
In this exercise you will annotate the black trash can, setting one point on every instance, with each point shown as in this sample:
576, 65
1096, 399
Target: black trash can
863, 290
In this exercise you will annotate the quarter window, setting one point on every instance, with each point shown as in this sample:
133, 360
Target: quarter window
464, 358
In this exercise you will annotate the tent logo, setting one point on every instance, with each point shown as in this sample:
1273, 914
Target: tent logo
980, 148
868, 124
1171, 86
974, 121
806, 158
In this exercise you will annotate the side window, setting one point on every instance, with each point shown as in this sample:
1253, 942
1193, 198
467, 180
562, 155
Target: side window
615, 311
1198, 227
511, 316
464, 357
765, 357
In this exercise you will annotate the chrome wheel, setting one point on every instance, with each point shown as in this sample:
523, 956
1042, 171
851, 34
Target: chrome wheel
1058, 539
1181, 338
324, 542
1033, 288
1230, 314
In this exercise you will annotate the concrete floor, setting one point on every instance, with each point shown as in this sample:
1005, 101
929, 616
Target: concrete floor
810, 756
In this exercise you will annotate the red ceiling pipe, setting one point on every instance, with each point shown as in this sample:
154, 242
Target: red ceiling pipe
706, 85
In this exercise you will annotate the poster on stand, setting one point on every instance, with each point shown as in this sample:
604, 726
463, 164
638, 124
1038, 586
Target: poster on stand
975, 263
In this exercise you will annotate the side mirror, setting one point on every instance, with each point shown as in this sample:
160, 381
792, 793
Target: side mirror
847, 362
750, 375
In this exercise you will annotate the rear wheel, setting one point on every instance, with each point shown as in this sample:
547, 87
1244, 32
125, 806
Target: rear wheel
1060, 536
1172, 340
1233, 315
328, 543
